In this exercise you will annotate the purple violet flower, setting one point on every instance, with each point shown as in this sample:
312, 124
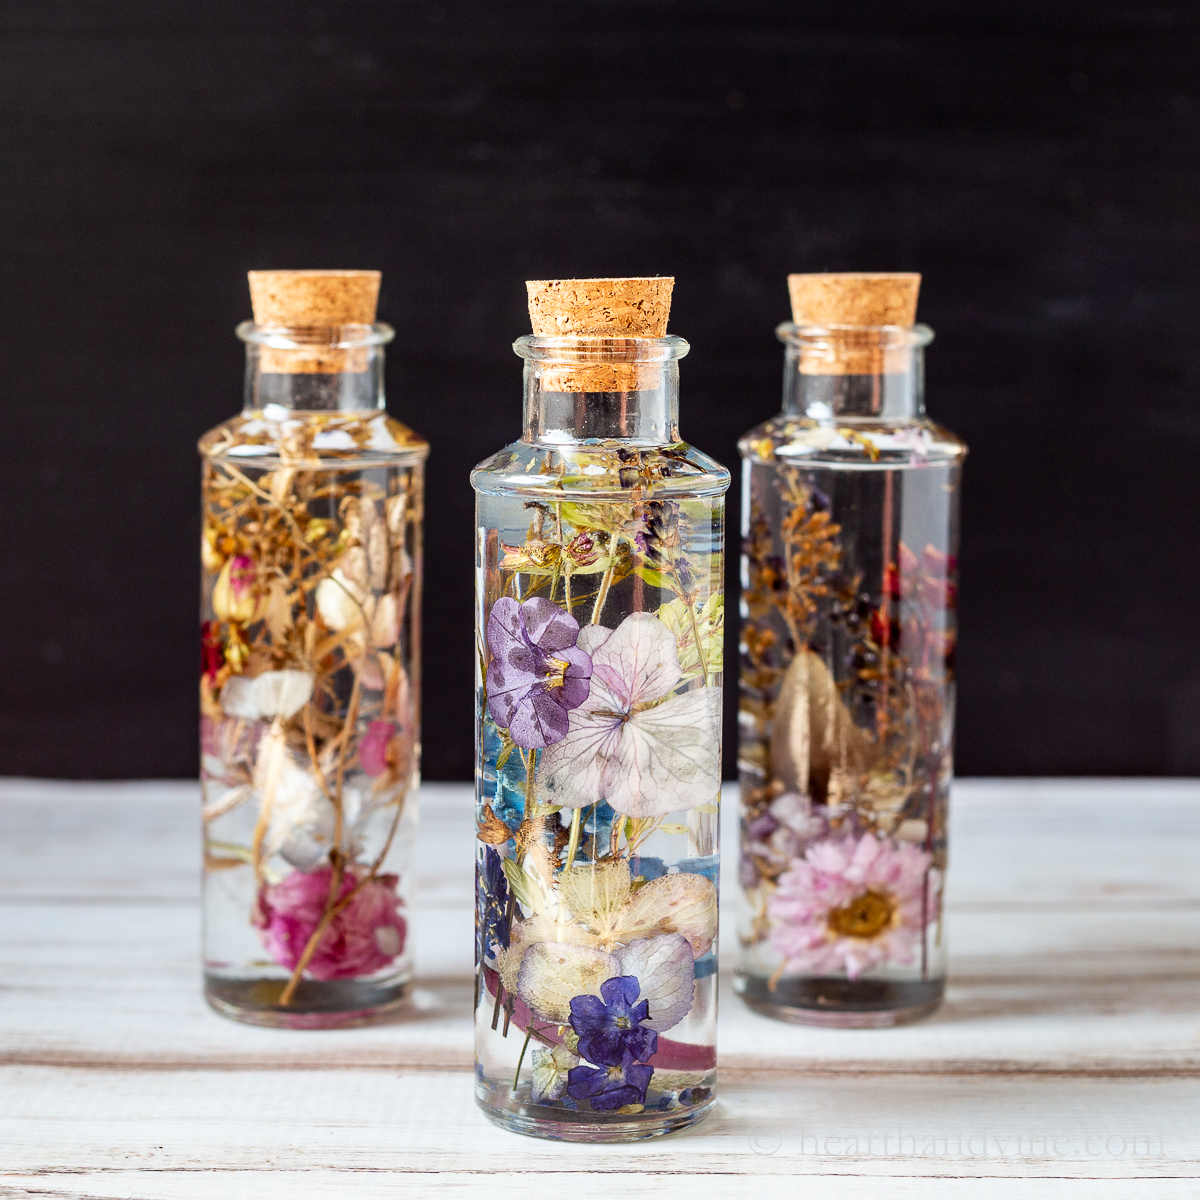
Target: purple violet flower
610, 1030
537, 673
610, 1087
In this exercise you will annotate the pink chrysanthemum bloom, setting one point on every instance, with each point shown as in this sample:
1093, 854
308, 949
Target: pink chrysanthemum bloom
366, 936
850, 904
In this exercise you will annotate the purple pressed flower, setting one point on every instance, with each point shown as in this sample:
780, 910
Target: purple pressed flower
610, 1087
610, 1030
537, 673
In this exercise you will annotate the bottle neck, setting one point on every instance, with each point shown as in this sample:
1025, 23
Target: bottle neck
589, 389
854, 372
315, 370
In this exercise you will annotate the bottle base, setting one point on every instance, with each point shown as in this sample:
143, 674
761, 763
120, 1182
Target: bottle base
560, 1125
841, 1003
333, 1004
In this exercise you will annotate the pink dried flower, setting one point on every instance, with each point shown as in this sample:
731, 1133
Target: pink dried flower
851, 903
366, 936
233, 597
373, 748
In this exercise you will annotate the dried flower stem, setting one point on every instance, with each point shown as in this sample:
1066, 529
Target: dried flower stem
576, 830
691, 609
323, 926
521, 1057
605, 582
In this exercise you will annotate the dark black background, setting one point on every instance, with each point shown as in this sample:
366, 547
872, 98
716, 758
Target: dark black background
1037, 161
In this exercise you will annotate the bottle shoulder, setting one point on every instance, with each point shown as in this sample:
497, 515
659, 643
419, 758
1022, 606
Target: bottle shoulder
600, 470
910, 442
271, 435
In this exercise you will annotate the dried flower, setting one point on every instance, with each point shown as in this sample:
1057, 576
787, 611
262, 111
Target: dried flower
610, 1025
271, 694
551, 1066
631, 742
364, 937
491, 906
212, 654
233, 594
344, 605
612, 1087
373, 748
537, 673
852, 903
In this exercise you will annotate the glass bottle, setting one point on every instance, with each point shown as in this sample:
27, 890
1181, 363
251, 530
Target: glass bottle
599, 634
310, 608
850, 525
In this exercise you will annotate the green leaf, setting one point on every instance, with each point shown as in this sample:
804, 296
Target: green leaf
523, 888
656, 579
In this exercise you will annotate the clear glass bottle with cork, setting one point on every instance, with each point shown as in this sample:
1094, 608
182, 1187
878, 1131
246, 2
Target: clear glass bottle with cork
848, 628
599, 634
312, 504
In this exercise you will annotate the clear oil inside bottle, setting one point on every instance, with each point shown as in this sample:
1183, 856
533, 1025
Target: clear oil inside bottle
598, 849
846, 712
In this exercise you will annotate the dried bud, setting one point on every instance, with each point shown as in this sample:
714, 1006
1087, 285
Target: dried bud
233, 595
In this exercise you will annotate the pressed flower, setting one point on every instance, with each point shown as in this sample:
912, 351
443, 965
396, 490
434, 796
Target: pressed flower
611, 1087
609, 1026
851, 904
548, 974
666, 974
364, 937
212, 654
552, 974
373, 748
632, 743
551, 1068
233, 594
537, 673
491, 906
271, 694
300, 818
346, 606
603, 909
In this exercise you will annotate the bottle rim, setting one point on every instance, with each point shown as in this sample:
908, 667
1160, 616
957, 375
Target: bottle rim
600, 349
333, 337
891, 337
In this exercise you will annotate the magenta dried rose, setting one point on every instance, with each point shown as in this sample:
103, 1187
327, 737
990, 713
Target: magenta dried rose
366, 936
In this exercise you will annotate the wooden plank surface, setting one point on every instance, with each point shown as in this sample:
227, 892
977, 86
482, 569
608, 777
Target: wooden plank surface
1068, 1049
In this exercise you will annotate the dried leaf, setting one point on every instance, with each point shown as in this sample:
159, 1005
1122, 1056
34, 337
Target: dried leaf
491, 829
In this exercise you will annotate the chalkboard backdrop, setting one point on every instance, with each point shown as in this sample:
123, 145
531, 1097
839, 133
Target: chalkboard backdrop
1038, 161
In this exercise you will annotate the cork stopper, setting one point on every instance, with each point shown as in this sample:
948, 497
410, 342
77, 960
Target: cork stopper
867, 299
601, 308
313, 300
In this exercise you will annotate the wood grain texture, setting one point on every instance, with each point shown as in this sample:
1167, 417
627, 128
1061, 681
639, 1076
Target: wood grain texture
1068, 1049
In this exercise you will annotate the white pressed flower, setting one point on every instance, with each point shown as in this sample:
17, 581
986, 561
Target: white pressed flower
343, 604
553, 973
614, 915
271, 694
385, 622
550, 1068
631, 742
666, 974
339, 601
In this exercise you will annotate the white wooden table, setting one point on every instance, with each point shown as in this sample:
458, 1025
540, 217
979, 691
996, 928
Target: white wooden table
1068, 1048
